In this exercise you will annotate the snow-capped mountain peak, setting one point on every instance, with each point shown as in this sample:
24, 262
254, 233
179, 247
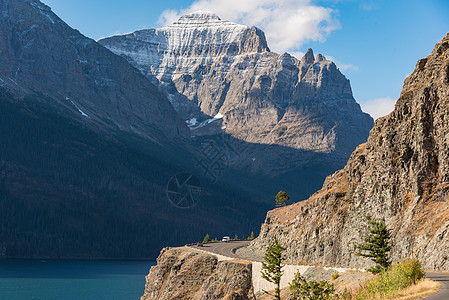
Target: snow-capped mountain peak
201, 20
200, 34
207, 65
198, 16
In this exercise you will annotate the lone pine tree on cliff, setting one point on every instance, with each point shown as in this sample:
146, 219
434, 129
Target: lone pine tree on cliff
376, 245
272, 268
281, 199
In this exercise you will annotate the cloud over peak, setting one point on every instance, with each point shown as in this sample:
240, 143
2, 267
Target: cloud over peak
288, 24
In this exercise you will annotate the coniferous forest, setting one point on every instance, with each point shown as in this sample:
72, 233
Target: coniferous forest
68, 191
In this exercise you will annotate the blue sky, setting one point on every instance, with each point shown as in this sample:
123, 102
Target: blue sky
376, 44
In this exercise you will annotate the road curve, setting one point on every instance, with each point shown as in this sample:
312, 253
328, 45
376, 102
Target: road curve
223, 248
443, 278
228, 249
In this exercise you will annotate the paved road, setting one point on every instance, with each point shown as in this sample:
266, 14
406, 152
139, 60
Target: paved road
226, 249
223, 248
442, 278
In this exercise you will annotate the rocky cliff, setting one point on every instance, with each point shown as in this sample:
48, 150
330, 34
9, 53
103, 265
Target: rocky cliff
181, 273
209, 67
42, 54
401, 174
187, 273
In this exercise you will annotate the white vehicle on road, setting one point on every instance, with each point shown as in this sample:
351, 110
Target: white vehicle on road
226, 239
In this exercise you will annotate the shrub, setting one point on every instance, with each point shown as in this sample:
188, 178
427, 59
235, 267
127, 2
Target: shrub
397, 277
310, 290
335, 276
413, 270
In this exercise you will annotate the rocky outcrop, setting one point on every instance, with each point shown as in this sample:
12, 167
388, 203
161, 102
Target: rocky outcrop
401, 174
186, 273
42, 55
182, 273
208, 66
231, 280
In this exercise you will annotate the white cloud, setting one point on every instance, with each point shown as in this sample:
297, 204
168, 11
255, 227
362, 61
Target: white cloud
288, 24
342, 66
297, 54
368, 6
379, 107
168, 17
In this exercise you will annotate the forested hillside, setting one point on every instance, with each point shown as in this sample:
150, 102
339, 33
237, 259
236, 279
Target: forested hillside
67, 191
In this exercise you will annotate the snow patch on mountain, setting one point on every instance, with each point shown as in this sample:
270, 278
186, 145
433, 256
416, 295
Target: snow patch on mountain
193, 124
43, 11
29, 29
76, 106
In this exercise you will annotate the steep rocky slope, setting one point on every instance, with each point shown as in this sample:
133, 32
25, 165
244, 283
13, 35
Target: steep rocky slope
185, 274
209, 67
42, 54
401, 174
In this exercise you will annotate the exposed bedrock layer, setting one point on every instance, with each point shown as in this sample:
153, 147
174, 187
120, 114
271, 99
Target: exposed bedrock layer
401, 174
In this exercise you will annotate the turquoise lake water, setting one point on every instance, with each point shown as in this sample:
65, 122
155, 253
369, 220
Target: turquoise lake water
72, 280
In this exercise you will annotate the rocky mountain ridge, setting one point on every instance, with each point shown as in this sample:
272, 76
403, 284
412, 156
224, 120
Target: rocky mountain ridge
208, 66
42, 54
400, 174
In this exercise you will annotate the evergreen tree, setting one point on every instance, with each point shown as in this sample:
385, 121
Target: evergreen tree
281, 199
272, 268
376, 245
206, 239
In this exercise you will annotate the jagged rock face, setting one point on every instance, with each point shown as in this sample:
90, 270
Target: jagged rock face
401, 174
42, 54
209, 66
186, 274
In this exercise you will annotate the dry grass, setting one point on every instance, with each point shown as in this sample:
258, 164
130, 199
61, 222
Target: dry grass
424, 288
240, 261
403, 281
